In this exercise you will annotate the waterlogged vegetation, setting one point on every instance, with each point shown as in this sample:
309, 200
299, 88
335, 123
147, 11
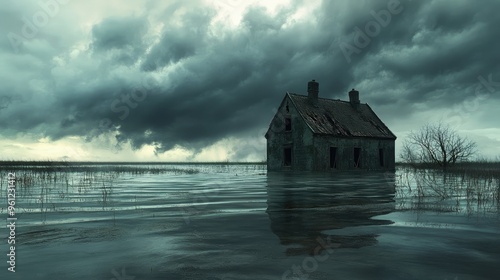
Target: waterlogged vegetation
208, 221
426, 186
466, 187
52, 186
93, 167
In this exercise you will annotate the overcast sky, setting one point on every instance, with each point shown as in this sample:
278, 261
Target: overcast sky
200, 80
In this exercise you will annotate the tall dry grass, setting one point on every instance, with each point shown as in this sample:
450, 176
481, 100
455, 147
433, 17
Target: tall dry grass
470, 187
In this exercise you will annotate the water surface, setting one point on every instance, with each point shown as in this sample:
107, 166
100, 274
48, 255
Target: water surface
238, 222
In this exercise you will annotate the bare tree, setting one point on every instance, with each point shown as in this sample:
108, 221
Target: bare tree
437, 144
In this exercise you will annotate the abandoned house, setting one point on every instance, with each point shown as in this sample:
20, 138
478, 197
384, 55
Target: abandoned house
318, 134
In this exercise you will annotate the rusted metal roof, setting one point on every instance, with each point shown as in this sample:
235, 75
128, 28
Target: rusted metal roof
340, 118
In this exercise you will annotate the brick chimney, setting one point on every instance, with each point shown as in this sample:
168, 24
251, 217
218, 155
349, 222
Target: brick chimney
354, 98
313, 91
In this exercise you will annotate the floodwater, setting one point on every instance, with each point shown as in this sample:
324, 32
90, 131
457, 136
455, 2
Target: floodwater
239, 222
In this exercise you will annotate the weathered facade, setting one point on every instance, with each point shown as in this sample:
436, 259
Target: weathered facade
317, 134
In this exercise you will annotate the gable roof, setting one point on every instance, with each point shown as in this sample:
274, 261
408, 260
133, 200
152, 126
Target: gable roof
339, 118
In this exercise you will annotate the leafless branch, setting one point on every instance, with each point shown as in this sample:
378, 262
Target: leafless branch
437, 144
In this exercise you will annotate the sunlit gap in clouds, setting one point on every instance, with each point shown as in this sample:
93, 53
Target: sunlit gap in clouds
231, 12
106, 148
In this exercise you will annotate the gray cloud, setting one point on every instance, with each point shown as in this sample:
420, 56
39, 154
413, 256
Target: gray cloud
212, 82
121, 38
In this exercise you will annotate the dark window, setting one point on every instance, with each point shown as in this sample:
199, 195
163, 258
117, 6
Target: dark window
333, 157
288, 124
288, 156
381, 156
357, 157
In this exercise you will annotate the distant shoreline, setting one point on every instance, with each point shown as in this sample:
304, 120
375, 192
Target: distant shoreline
120, 167
75, 163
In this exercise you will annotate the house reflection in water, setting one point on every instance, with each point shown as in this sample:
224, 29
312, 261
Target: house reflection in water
307, 208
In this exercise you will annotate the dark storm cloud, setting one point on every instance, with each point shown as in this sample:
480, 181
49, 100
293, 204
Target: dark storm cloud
193, 84
180, 41
429, 58
115, 33
123, 38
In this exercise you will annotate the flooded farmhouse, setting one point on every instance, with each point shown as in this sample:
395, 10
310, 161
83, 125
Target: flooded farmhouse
318, 134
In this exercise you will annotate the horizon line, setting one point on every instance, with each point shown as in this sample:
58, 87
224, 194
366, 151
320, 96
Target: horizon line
37, 162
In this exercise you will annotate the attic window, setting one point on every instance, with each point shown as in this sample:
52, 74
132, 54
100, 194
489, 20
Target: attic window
288, 124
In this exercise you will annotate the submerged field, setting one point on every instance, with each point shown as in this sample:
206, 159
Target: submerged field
226, 221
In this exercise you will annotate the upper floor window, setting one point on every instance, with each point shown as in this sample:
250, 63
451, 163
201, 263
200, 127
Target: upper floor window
288, 124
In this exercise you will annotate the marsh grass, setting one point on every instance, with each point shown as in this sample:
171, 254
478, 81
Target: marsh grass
475, 184
51, 169
473, 168
42, 191
56, 186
